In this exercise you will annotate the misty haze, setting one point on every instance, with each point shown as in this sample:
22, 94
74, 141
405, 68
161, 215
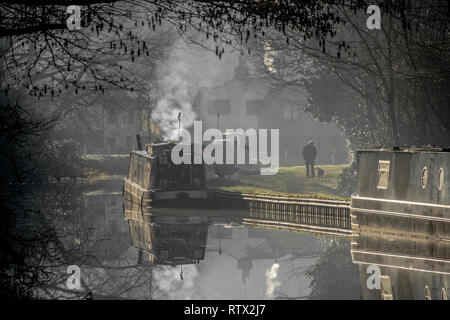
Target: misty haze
225, 150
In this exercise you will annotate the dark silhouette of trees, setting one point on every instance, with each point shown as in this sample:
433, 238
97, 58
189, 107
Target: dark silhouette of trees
38, 44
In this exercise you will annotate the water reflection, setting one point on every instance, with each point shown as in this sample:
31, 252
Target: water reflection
410, 268
170, 240
404, 284
211, 254
205, 254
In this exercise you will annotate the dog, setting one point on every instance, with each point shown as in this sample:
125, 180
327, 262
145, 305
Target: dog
320, 172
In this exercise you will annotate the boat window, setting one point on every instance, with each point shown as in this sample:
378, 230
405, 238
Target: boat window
383, 174
424, 178
427, 293
441, 178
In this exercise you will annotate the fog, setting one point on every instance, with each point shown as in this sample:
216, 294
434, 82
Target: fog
356, 104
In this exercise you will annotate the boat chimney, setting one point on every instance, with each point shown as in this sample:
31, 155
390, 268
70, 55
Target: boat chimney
139, 142
179, 125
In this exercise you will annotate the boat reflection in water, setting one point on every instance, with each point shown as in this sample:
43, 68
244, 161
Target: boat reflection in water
401, 223
169, 240
422, 276
206, 254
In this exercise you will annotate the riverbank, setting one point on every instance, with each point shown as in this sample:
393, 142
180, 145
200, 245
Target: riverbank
112, 164
289, 181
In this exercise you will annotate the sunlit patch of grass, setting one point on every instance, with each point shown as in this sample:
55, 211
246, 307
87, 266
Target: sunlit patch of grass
289, 181
103, 157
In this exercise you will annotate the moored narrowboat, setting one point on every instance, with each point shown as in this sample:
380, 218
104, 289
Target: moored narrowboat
400, 213
154, 180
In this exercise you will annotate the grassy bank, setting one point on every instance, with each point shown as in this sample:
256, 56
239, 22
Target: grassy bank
112, 164
289, 181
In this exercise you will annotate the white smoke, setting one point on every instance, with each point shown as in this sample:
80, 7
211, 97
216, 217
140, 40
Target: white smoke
177, 88
187, 68
169, 285
271, 280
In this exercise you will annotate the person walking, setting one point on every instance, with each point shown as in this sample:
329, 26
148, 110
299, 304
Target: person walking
309, 154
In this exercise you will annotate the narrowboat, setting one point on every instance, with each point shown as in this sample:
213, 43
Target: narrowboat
154, 180
400, 214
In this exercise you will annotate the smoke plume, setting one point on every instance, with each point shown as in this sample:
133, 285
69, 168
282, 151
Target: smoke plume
169, 285
176, 91
271, 280
187, 68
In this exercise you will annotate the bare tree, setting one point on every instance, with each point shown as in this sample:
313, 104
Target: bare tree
379, 85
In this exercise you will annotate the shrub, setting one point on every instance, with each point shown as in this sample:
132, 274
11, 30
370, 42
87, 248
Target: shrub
347, 181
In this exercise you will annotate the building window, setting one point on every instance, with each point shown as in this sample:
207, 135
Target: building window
383, 174
441, 179
253, 107
291, 112
219, 106
424, 178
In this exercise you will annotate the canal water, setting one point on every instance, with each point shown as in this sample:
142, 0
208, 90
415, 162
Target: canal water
196, 254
